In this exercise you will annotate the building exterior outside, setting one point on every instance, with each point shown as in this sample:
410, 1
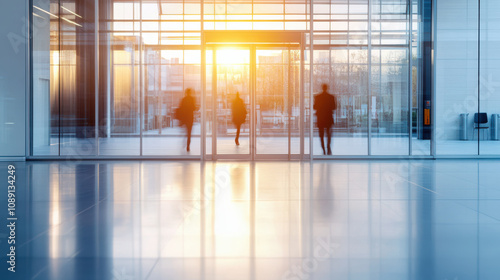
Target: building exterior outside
103, 78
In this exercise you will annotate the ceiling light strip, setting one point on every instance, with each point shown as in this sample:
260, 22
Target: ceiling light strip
70, 11
45, 11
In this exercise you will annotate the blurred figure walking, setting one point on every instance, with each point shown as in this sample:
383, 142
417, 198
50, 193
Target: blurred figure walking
239, 115
185, 114
325, 104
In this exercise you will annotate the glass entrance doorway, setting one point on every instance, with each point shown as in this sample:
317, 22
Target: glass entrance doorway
267, 79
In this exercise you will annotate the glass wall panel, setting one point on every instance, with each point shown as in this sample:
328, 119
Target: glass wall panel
489, 102
466, 73
46, 53
345, 71
169, 73
321, 74
389, 102
272, 108
77, 84
456, 76
341, 62
390, 92
113, 89
120, 79
120, 99
233, 81
64, 80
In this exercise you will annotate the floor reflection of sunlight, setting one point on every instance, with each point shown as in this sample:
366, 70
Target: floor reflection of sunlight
261, 220
55, 217
231, 216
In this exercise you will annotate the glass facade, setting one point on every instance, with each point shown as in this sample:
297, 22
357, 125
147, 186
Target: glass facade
467, 78
108, 77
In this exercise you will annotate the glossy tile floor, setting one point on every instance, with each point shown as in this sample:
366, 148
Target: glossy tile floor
386, 220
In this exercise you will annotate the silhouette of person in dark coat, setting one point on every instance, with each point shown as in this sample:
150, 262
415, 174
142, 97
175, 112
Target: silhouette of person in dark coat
186, 112
325, 104
239, 115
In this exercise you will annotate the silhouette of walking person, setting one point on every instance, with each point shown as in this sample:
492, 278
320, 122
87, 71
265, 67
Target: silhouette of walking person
325, 104
239, 112
185, 114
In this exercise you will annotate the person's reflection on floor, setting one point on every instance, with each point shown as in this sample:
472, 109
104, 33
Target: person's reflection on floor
325, 104
239, 182
325, 191
185, 114
239, 112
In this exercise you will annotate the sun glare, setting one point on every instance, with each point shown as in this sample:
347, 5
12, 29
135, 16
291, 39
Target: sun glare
233, 56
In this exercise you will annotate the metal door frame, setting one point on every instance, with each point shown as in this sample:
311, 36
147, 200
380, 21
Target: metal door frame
251, 40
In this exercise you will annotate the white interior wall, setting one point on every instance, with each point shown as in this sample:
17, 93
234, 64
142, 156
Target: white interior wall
13, 78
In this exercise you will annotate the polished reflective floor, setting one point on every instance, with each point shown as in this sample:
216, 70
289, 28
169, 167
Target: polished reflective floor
421, 219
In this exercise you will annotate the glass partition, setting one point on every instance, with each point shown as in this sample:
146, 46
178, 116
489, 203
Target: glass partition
467, 71
488, 128
389, 101
45, 79
274, 101
232, 82
109, 79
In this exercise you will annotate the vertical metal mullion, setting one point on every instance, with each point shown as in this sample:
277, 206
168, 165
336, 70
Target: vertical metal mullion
289, 103
369, 77
330, 75
203, 77
330, 72
160, 99
214, 98
348, 67
433, 75
109, 73
141, 89
301, 98
160, 95
311, 77
410, 78
284, 15
59, 78
96, 74
253, 100
28, 148
478, 72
